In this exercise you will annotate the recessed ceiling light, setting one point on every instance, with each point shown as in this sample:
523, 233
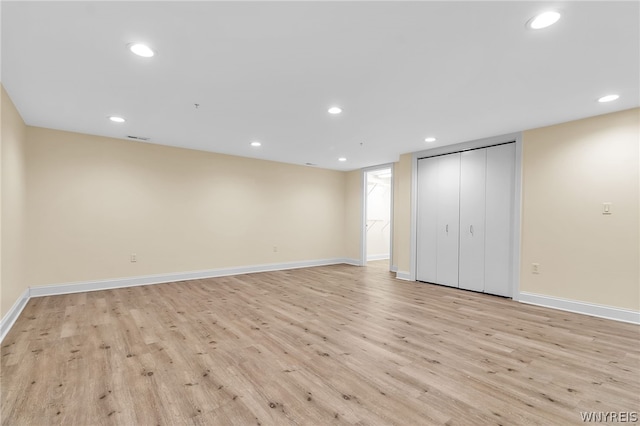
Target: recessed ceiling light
430, 139
141, 50
335, 110
608, 98
117, 119
343, 159
256, 144
543, 20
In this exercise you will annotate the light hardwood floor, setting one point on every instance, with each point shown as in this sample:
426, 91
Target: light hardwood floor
319, 346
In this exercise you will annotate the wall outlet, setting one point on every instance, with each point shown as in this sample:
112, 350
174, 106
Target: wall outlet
535, 268
275, 249
133, 258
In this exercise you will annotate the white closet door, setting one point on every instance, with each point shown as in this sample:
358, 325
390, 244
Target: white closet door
427, 220
448, 219
472, 219
499, 199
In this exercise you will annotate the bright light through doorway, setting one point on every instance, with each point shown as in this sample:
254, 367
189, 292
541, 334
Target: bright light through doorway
377, 233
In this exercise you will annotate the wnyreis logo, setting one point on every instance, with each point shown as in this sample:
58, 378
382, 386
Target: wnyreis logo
609, 416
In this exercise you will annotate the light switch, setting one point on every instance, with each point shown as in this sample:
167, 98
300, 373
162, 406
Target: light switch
606, 208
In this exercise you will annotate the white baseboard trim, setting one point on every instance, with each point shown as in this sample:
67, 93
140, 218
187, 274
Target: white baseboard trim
10, 318
351, 261
403, 275
378, 257
78, 287
394, 268
601, 311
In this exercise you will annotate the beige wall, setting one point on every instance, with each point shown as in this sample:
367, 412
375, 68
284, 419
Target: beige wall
569, 170
13, 184
402, 214
92, 201
353, 214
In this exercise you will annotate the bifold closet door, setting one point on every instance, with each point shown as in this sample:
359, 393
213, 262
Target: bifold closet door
448, 219
499, 227
438, 219
473, 166
427, 220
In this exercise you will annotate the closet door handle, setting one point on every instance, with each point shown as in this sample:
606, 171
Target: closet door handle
471, 229
446, 228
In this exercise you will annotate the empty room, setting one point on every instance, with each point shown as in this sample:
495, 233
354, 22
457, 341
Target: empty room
319, 212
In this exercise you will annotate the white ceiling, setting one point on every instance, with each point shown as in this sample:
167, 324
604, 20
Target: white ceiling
269, 71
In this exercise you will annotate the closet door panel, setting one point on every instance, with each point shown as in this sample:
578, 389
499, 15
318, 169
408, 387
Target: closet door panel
472, 219
448, 219
499, 227
427, 220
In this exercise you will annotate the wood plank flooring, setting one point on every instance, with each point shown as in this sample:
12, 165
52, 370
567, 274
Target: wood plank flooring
318, 346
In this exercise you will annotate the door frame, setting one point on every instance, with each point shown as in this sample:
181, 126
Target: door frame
517, 199
363, 219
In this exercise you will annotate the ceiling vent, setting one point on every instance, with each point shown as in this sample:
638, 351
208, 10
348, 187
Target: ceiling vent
138, 138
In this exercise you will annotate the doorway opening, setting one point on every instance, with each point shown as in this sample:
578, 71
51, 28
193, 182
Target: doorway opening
378, 216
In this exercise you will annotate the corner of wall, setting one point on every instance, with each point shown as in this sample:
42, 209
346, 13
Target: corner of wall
12, 203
